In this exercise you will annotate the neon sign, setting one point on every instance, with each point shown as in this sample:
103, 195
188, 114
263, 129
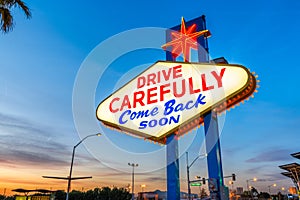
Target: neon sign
185, 40
173, 97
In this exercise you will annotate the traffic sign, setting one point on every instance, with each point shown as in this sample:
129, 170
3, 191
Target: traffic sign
195, 184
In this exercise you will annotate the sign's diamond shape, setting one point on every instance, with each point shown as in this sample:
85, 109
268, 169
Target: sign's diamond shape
173, 97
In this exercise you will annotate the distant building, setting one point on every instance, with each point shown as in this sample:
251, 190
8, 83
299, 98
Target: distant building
40, 194
35, 197
292, 171
239, 190
148, 196
292, 190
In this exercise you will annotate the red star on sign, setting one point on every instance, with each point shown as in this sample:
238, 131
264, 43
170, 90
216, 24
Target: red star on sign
185, 40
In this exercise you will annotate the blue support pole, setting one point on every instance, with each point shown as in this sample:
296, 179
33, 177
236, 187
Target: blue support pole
213, 147
173, 184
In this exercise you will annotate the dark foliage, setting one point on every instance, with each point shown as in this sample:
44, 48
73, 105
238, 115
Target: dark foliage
6, 18
104, 193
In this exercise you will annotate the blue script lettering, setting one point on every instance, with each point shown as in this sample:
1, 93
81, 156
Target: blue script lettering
162, 122
136, 115
170, 105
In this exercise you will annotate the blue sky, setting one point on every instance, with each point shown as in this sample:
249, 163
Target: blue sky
41, 57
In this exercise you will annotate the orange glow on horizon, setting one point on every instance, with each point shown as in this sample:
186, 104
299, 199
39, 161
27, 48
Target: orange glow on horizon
26, 177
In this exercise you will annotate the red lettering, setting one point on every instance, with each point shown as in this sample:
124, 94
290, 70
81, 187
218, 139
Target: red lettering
219, 77
141, 82
175, 89
204, 86
177, 71
149, 95
158, 77
110, 105
125, 103
162, 91
167, 75
139, 99
191, 85
151, 78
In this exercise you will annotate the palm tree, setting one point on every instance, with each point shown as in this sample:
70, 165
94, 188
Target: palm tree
6, 21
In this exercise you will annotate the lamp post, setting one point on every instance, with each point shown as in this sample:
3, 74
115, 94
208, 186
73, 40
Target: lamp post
247, 181
248, 187
188, 170
143, 186
133, 165
269, 186
231, 183
72, 161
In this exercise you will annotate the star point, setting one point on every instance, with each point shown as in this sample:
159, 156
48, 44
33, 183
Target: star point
185, 40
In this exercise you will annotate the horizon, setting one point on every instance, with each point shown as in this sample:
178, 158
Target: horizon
41, 61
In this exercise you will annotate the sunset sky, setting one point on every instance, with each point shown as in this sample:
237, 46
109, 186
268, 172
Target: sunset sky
41, 58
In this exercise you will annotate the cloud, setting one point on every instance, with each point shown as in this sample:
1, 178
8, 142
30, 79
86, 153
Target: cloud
274, 177
155, 179
30, 182
272, 155
256, 169
30, 158
230, 151
26, 142
116, 174
18, 126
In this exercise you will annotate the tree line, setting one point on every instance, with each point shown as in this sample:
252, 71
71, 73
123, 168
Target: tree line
104, 193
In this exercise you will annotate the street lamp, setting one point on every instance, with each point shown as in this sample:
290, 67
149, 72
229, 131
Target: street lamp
132, 186
248, 187
231, 183
188, 170
247, 181
71, 168
269, 186
143, 186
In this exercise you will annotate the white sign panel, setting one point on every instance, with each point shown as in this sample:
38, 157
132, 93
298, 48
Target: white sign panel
170, 94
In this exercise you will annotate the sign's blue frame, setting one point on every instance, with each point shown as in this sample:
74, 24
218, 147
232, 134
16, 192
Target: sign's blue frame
214, 161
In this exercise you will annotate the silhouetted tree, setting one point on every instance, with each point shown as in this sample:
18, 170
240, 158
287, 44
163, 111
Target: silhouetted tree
6, 18
246, 194
76, 195
120, 194
203, 193
90, 195
2, 197
60, 195
280, 196
264, 195
104, 193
